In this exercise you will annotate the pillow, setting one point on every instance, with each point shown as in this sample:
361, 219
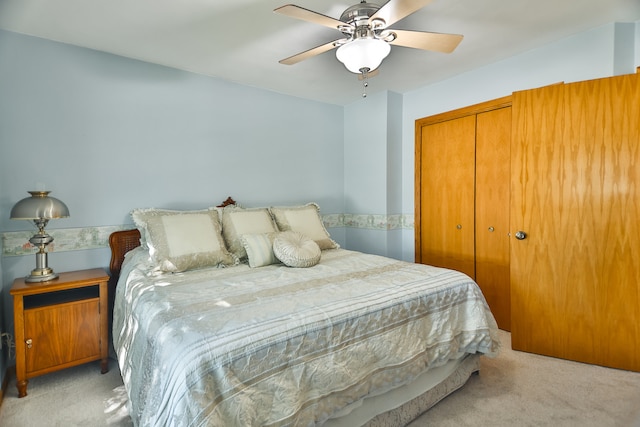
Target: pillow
183, 240
259, 248
306, 220
139, 221
140, 216
296, 250
236, 222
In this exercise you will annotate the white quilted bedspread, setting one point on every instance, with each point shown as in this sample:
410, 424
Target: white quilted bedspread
279, 346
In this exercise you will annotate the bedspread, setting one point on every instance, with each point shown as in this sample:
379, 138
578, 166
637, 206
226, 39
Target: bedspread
277, 346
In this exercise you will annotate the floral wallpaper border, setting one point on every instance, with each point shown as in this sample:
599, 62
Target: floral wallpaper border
64, 239
16, 243
370, 221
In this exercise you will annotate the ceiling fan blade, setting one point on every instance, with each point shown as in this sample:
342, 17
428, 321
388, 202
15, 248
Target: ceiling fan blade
438, 42
395, 10
309, 53
298, 12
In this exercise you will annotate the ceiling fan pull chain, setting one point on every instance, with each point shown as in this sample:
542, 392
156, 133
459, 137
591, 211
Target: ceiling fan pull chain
365, 81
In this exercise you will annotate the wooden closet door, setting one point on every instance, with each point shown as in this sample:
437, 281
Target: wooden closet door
493, 164
447, 195
575, 292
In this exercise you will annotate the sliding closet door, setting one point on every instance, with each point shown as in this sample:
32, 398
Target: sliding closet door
493, 141
576, 193
462, 196
447, 170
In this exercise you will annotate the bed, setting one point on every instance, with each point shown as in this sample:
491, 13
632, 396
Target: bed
257, 339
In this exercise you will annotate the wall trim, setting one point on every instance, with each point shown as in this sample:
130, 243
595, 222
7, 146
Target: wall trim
378, 221
16, 243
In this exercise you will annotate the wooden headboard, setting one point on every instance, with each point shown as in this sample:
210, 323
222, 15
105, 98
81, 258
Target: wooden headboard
122, 242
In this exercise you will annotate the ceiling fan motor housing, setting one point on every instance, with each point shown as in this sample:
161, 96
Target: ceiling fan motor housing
359, 14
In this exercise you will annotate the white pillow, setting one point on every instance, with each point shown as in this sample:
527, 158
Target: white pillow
183, 240
236, 222
296, 250
306, 220
259, 248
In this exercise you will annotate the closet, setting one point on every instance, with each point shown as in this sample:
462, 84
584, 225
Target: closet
462, 197
575, 191
562, 269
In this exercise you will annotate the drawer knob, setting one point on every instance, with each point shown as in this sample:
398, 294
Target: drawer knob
29, 343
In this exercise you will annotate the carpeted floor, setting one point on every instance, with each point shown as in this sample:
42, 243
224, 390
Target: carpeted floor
514, 389
523, 389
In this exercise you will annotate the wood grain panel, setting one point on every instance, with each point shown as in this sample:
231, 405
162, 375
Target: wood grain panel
538, 321
62, 334
447, 194
603, 127
470, 110
575, 280
493, 140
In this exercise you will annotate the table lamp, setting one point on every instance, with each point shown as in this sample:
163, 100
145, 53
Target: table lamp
40, 208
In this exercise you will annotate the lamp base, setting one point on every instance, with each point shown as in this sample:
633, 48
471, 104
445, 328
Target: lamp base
41, 275
42, 272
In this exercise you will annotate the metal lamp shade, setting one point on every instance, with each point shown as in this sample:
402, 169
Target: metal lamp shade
40, 208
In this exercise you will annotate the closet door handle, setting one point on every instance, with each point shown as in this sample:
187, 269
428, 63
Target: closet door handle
491, 229
521, 235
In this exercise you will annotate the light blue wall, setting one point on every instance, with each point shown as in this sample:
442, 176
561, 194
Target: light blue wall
637, 43
365, 151
394, 173
624, 48
373, 138
107, 134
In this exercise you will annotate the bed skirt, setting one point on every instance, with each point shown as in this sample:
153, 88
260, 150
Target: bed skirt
405, 404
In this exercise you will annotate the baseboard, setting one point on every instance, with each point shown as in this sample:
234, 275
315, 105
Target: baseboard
5, 383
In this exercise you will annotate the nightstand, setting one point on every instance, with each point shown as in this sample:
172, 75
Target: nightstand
60, 323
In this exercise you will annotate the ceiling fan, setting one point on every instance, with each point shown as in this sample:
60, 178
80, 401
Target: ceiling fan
367, 36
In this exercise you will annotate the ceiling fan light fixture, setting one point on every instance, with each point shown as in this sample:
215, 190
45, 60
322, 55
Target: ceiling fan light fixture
366, 53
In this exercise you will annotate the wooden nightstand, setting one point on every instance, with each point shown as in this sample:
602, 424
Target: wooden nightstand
60, 323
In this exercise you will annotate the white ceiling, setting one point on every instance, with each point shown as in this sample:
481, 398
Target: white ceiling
243, 40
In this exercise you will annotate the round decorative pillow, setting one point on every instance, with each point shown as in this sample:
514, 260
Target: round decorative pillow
296, 250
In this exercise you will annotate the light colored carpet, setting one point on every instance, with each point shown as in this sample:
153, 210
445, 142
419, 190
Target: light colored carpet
523, 389
78, 396
514, 389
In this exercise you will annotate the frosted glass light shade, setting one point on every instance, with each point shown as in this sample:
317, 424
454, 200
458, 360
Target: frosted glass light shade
363, 53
